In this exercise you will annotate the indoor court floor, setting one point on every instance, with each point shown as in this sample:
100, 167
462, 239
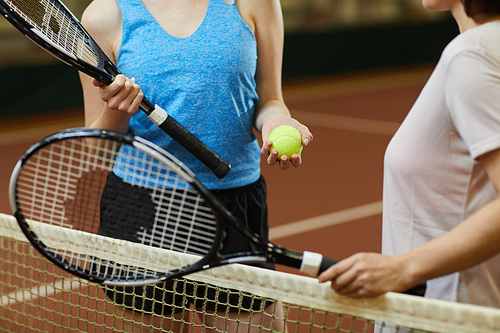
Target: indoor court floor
332, 203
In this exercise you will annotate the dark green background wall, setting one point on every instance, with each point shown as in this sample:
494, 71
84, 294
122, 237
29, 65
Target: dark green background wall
363, 49
26, 90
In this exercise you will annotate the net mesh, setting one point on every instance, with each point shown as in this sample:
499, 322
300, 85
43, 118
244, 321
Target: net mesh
38, 297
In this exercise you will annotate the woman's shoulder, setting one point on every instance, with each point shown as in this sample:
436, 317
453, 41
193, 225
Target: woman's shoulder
100, 13
484, 38
257, 13
103, 20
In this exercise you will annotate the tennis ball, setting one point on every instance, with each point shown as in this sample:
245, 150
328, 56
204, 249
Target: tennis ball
286, 140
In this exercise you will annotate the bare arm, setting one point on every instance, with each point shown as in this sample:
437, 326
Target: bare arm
108, 107
265, 18
473, 241
468, 244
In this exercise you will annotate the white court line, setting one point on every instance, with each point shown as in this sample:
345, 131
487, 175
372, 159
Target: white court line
35, 292
323, 221
357, 85
346, 123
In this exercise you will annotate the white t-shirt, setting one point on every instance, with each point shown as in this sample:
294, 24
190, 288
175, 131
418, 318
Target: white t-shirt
432, 178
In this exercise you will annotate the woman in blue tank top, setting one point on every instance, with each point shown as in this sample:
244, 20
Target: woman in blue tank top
215, 66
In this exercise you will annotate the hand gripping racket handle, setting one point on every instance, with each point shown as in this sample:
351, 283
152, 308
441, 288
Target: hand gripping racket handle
315, 264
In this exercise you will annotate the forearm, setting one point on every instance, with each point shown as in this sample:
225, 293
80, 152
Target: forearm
371, 274
110, 119
473, 241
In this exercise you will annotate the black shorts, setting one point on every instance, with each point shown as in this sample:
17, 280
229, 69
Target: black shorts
248, 204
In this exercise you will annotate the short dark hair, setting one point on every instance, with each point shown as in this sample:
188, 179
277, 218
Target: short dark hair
475, 8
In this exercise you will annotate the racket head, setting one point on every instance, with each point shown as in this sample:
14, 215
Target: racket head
57, 190
52, 26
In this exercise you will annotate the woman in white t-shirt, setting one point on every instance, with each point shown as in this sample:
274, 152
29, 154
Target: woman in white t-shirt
441, 216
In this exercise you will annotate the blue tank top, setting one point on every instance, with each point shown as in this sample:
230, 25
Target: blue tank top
205, 81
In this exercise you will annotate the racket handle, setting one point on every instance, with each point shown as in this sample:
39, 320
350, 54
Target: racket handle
315, 264
418, 290
326, 263
179, 133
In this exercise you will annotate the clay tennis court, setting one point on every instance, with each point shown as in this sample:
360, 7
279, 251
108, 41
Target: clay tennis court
331, 204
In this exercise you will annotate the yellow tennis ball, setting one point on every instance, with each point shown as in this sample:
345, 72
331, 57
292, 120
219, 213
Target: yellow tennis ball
286, 140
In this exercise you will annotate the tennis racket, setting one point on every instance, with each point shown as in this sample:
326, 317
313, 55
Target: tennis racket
54, 28
101, 204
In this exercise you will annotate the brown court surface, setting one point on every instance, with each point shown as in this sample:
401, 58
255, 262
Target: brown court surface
332, 203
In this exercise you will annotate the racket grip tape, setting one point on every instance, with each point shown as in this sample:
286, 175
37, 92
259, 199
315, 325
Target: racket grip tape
314, 264
418, 290
186, 139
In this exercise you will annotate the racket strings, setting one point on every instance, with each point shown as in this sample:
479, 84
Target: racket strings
182, 221
190, 223
50, 189
99, 206
59, 26
51, 177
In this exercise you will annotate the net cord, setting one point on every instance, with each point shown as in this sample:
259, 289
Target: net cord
405, 310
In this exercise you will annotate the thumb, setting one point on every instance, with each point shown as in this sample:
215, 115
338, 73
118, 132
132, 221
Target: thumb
98, 83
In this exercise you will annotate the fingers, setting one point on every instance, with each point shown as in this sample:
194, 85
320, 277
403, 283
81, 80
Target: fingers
352, 277
367, 275
98, 83
307, 136
351, 285
344, 280
335, 271
284, 162
123, 94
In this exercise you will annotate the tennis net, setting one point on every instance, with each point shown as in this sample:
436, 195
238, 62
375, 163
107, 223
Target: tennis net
36, 296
